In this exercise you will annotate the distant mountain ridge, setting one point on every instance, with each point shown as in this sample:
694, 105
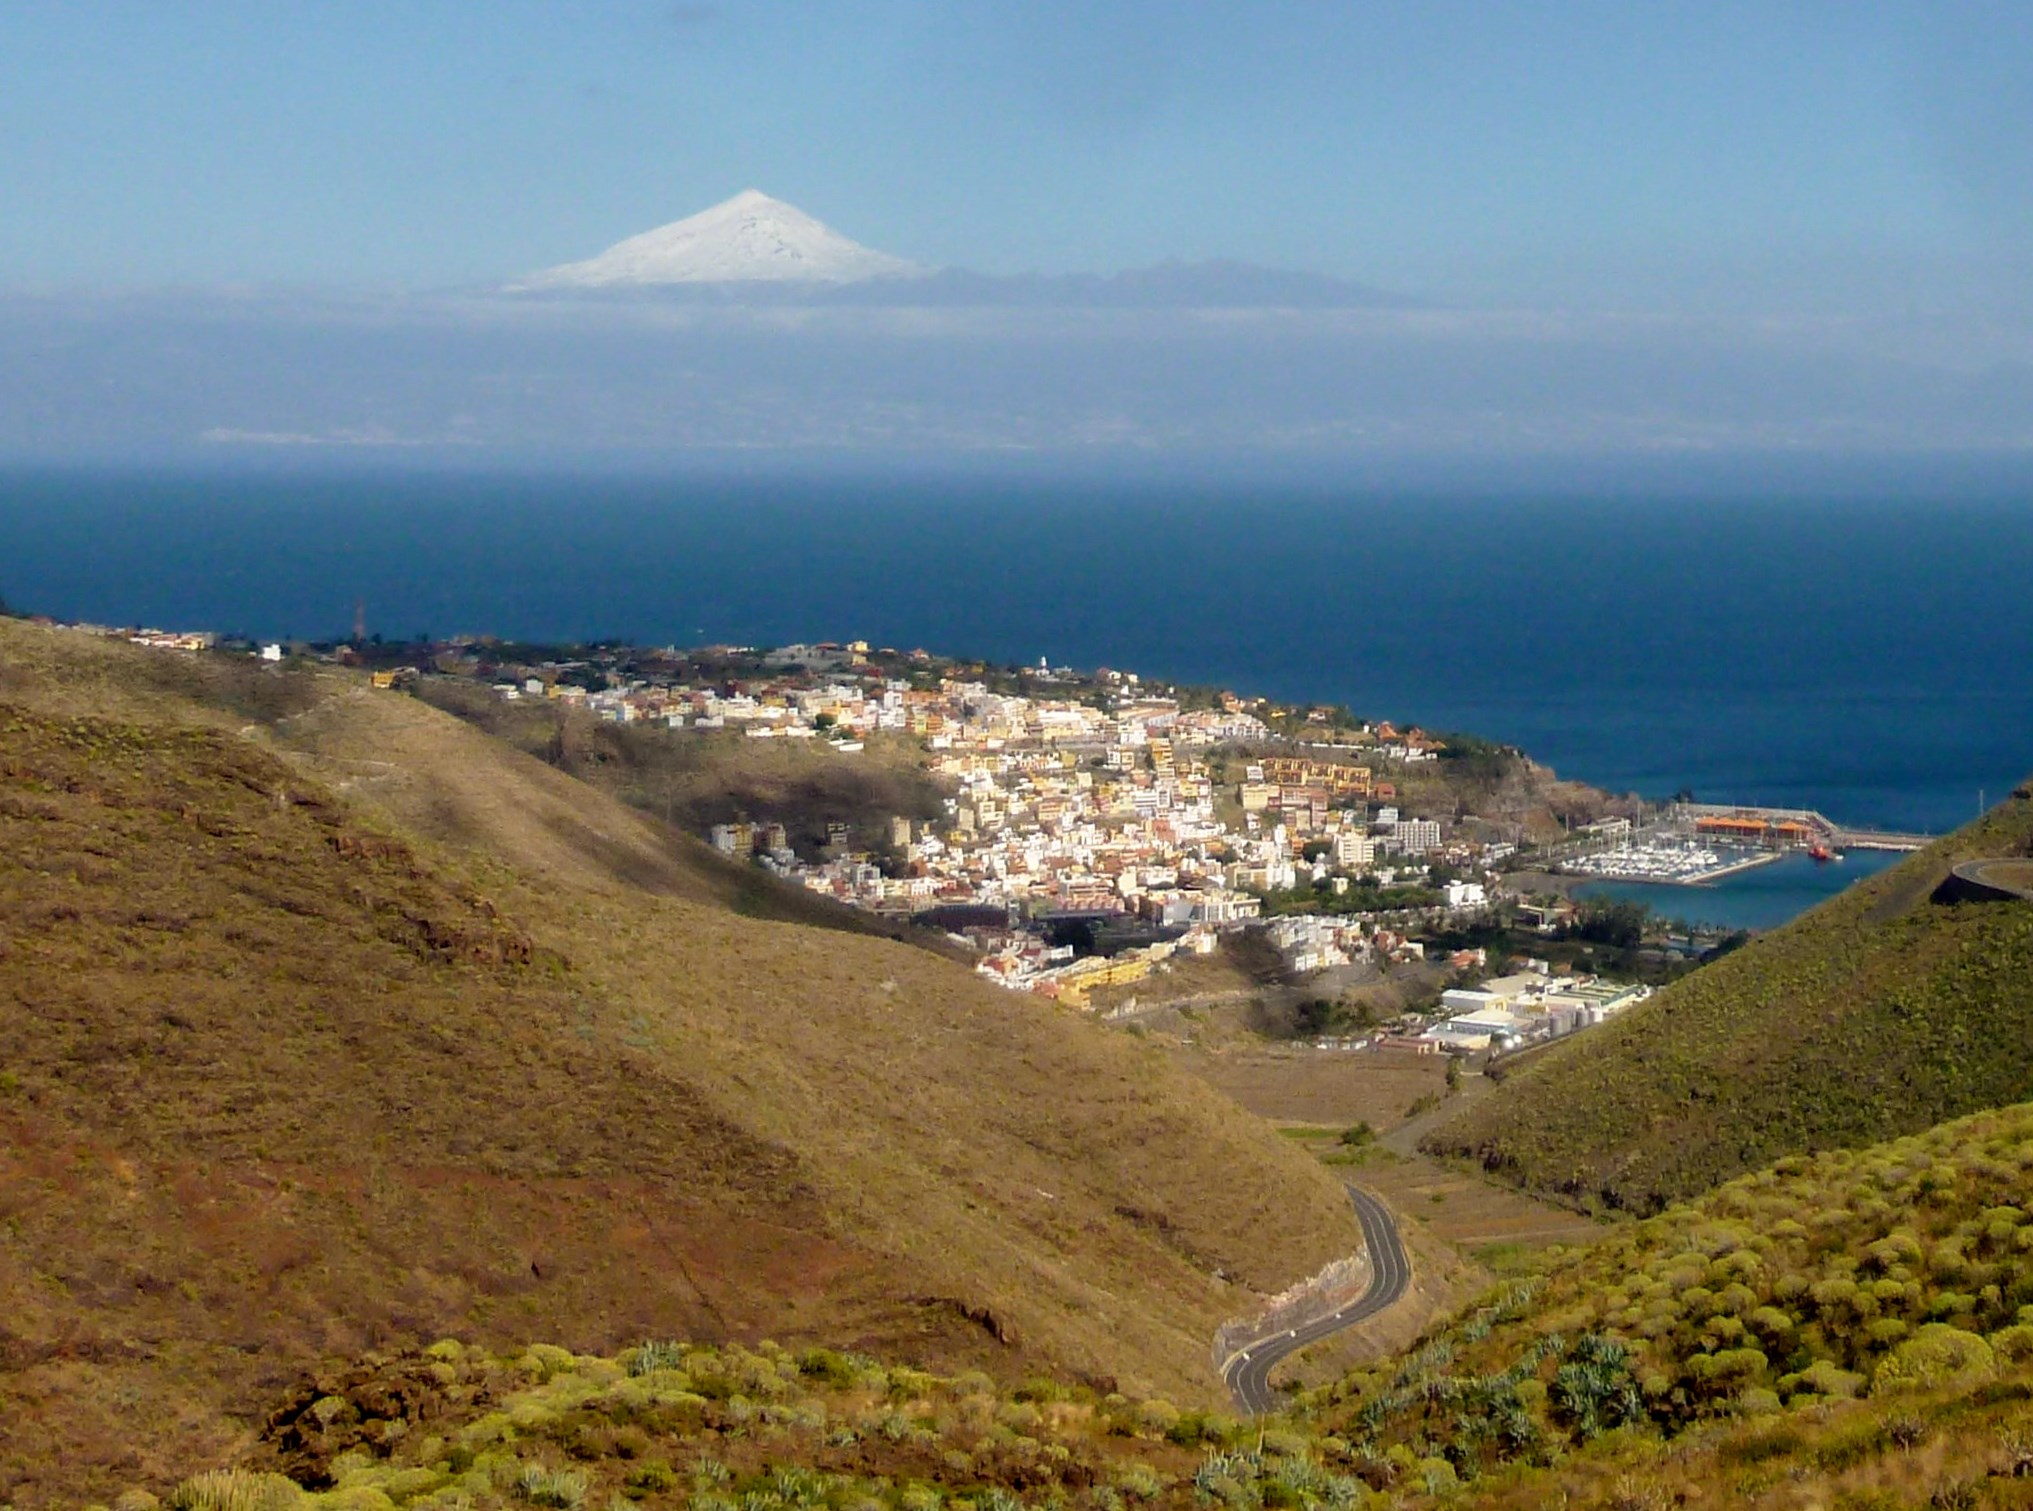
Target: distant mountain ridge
756, 249
1222, 283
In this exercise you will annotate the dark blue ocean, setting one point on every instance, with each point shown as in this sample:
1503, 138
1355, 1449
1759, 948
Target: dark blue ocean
1871, 658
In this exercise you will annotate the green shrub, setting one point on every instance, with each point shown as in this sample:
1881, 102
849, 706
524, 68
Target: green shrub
1936, 1356
1896, 1248
1826, 1379
828, 1367
904, 1383
1158, 1415
547, 1361
2013, 1343
355, 1498
1727, 1370
1018, 1416
1771, 1322
1139, 1481
652, 1477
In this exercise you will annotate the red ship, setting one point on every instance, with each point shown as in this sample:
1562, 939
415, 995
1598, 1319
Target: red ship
1820, 852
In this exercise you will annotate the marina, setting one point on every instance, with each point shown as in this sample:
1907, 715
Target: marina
1695, 845
1675, 864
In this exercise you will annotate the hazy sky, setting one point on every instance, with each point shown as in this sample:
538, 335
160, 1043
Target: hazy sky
1710, 156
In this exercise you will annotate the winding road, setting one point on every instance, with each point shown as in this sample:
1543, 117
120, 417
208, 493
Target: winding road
1248, 1374
2000, 879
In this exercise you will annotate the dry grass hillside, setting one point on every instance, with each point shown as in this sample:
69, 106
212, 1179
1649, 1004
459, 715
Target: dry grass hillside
1882, 1012
694, 780
673, 1426
1901, 1274
328, 1023
1848, 1333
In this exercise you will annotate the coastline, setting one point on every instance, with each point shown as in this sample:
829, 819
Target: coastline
1905, 733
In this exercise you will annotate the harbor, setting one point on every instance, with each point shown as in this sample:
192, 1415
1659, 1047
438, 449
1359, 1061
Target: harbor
1667, 863
1700, 844
1758, 897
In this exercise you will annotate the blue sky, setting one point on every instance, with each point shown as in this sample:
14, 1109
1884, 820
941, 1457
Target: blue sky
1741, 157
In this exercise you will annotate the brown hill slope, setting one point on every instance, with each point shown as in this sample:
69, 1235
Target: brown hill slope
694, 780
1882, 1012
546, 821
327, 1023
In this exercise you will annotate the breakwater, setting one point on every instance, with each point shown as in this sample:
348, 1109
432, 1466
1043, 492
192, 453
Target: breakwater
1790, 828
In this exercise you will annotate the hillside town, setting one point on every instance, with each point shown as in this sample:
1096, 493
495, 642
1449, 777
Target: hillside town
1147, 821
1101, 802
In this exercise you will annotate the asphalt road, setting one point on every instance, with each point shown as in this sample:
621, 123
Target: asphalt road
2012, 876
1249, 1373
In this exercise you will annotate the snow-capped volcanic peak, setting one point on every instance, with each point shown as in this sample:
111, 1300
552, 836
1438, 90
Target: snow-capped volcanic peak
749, 238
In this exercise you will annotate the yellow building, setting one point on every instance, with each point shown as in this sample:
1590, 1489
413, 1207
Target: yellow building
1075, 981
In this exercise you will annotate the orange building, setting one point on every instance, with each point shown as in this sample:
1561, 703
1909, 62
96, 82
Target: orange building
1746, 829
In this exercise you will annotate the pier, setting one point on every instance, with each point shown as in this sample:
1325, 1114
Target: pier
1790, 828
1878, 839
